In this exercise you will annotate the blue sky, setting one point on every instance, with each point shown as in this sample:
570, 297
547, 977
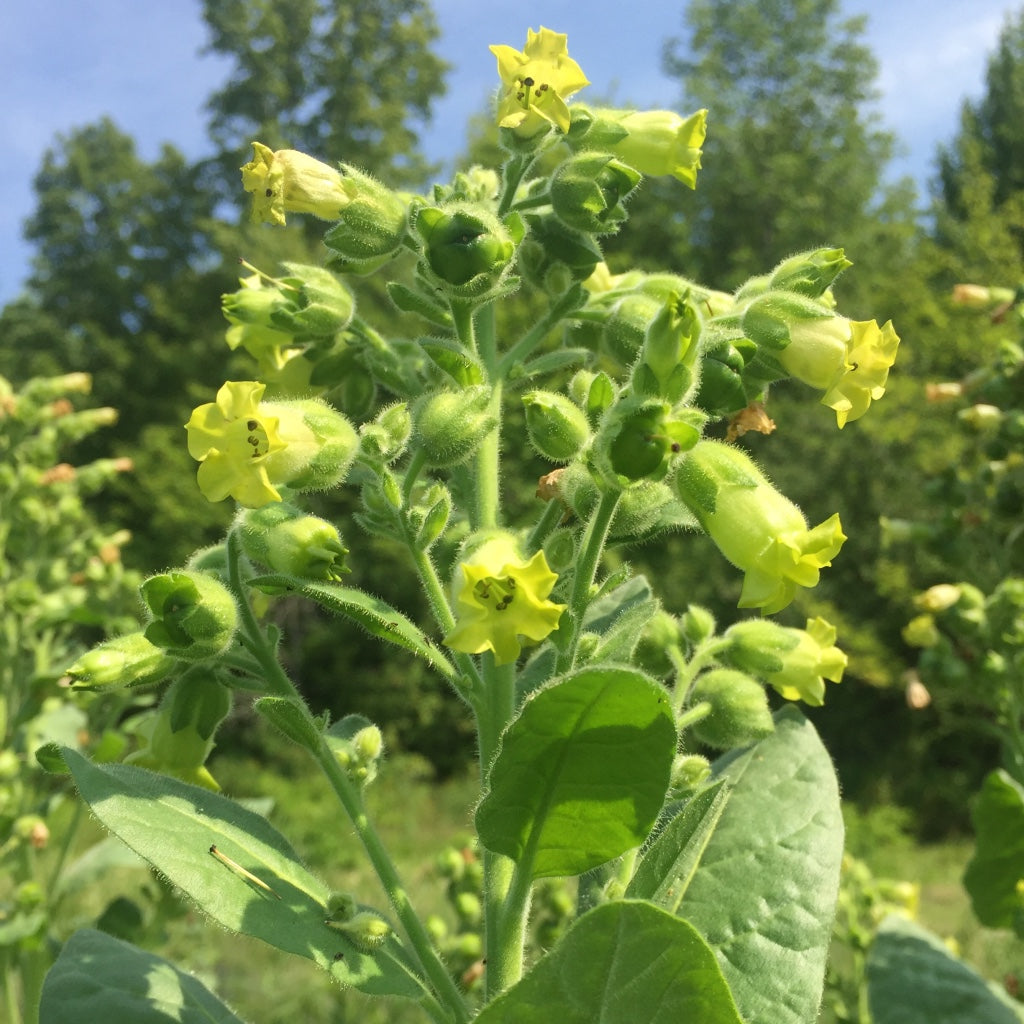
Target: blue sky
68, 63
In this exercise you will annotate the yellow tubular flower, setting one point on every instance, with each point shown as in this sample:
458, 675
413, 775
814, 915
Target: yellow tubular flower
292, 182
499, 597
537, 82
870, 352
806, 666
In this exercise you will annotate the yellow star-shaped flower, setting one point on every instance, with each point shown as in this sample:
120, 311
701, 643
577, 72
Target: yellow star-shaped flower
537, 82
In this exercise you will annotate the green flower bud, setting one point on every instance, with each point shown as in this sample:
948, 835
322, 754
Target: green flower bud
809, 273
468, 907
697, 624
666, 366
553, 256
466, 249
194, 616
451, 424
129, 660
688, 772
285, 539
659, 637
560, 549
368, 930
639, 439
739, 709
371, 226
588, 192
626, 326
557, 427
431, 510
722, 391
641, 508
368, 744
341, 906
921, 631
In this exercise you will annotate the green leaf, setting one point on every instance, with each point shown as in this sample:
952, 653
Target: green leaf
291, 719
174, 825
455, 361
914, 979
668, 864
764, 895
625, 962
998, 863
98, 979
373, 614
581, 774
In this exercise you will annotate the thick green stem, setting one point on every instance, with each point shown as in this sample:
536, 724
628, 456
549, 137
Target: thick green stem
488, 496
591, 550
495, 707
351, 798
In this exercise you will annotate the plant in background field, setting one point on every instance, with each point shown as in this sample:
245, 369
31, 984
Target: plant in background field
972, 632
62, 584
706, 889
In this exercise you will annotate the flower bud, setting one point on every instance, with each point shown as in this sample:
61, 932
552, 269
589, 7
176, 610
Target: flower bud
372, 228
722, 389
368, 930
625, 329
809, 273
588, 192
553, 256
194, 616
666, 365
921, 631
466, 249
754, 526
659, 637
285, 539
129, 660
697, 624
560, 549
558, 429
639, 438
938, 598
451, 424
641, 509
739, 709
688, 772
983, 418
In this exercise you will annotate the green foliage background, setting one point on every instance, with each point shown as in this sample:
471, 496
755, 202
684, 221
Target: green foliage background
132, 256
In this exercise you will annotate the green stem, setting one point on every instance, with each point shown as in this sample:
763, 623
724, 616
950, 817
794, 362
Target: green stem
11, 986
591, 549
495, 707
505, 964
412, 472
550, 518
462, 319
514, 170
350, 797
488, 462
691, 716
687, 671
528, 342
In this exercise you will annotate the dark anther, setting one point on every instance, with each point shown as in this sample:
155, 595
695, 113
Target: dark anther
527, 82
270, 192
338, 956
676, 446
251, 424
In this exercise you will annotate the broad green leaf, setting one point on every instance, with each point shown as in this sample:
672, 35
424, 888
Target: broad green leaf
914, 979
668, 864
625, 962
581, 774
998, 863
373, 614
765, 892
286, 714
98, 979
174, 825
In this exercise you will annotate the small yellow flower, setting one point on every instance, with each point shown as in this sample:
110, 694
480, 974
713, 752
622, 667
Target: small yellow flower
232, 440
871, 350
499, 597
807, 665
288, 181
537, 82
660, 142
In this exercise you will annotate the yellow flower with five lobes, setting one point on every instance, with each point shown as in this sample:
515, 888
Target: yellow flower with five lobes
537, 82
499, 597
